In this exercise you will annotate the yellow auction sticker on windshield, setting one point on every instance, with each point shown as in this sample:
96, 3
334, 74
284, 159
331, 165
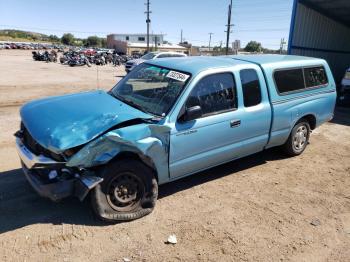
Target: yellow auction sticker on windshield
177, 76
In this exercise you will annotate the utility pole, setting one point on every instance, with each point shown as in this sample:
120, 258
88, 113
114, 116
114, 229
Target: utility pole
210, 40
148, 21
155, 43
282, 45
181, 37
228, 26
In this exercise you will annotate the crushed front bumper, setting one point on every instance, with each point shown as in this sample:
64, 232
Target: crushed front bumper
37, 169
54, 191
31, 160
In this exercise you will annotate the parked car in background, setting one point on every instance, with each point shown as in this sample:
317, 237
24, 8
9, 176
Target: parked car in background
344, 90
130, 65
167, 119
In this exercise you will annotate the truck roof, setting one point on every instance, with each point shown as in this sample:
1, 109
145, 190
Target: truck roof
273, 59
196, 64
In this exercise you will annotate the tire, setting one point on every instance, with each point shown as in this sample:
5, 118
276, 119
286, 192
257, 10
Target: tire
298, 139
111, 201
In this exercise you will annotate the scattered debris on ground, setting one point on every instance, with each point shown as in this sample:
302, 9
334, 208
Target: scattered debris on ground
172, 239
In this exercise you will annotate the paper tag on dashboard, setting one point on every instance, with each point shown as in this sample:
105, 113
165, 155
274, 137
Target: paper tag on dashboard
177, 76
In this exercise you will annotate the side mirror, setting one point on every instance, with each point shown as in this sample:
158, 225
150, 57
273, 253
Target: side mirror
192, 113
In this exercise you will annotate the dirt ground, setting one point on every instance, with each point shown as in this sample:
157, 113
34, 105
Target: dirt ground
261, 208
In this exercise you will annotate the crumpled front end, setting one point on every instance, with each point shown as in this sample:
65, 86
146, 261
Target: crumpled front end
50, 177
57, 176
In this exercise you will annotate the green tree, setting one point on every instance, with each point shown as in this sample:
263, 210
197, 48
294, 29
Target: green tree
93, 41
103, 42
54, 38
78, 42
67, 39
253, 46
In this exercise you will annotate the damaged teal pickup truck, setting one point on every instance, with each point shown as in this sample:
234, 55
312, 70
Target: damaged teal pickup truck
168, 119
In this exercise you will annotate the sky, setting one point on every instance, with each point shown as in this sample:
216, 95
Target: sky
265, 21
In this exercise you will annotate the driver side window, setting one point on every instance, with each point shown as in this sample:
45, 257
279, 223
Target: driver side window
214, 94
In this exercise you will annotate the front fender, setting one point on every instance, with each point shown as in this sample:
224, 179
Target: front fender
147, 140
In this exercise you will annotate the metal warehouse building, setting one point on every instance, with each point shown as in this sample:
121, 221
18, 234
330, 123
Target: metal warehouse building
321, 28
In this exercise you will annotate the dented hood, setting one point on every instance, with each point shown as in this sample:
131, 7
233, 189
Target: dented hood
62, 122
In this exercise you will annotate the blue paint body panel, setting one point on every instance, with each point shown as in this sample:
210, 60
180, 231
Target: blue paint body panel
62, 122
290, 107
173, 148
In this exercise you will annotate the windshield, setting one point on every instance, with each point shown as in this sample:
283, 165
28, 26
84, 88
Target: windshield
151, 89
148, 56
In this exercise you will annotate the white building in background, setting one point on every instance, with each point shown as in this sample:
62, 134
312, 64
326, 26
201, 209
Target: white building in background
136, 38
137, 43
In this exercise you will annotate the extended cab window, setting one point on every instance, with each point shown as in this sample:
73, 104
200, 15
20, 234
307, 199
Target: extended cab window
315, 76
214, 94
289, 80
251, 87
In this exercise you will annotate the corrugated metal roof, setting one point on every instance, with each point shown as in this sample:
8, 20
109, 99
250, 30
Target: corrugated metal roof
339, 10
321, 28
313, 29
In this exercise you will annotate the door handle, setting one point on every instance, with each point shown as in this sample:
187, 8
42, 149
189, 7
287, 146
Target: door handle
235, 123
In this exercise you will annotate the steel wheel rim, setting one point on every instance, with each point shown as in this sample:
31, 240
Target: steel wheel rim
300, 138
125, 191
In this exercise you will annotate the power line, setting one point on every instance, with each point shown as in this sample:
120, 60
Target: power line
262, 30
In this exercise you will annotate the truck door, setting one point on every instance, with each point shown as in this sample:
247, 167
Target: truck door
215, 136
257, 116
235, 122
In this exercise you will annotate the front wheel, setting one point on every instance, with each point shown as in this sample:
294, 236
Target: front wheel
298, 139
129, 191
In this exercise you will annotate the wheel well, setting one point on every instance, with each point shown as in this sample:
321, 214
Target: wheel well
311, 119
132, 155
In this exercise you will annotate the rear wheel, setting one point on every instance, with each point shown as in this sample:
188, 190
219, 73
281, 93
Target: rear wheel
129, 191
298, 139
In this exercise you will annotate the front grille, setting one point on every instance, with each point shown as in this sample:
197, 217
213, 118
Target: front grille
35, 147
